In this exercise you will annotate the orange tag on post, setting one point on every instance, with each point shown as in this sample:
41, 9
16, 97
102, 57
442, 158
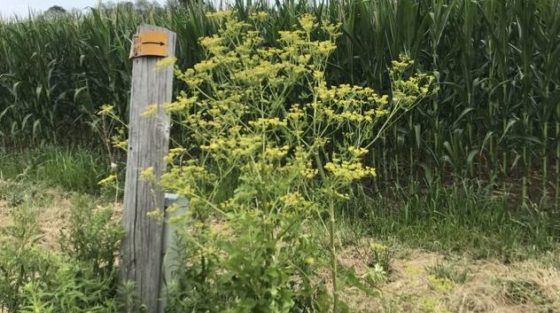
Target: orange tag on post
150, 43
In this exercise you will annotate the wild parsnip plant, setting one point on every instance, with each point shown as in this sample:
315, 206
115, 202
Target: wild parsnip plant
271, 146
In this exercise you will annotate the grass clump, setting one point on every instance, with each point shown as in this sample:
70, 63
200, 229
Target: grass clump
17, 193
519, 291
460, 218
449, 272
77, 169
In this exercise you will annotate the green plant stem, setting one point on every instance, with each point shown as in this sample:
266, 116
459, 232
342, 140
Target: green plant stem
332, 226
332, 243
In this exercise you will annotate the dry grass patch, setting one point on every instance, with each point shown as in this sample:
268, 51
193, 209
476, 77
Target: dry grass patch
428, 282
52, 216
52, 208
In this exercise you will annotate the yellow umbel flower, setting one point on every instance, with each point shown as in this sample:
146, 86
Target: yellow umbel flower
106, 109
307, 23
357, 151
165, 63
349, 171
111, 179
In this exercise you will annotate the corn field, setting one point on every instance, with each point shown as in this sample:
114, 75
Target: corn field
496, 116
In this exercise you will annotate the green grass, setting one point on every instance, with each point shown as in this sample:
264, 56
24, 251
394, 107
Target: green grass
76, 169
460, 219
15, 194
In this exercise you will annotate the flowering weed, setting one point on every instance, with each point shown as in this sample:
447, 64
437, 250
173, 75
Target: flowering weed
264, 120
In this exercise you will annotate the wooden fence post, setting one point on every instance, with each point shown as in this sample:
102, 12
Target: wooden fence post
148, 143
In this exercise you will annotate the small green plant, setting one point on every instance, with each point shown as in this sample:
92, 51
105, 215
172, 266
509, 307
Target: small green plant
22, 261
376, 275
450, 272
93, 236
16, 194
440, 284
381, 257
432, 305
73, 287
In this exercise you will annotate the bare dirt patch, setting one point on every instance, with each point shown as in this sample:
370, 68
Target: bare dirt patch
52, 219
5, 219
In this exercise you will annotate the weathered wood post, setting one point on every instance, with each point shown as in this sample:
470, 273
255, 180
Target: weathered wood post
148, 143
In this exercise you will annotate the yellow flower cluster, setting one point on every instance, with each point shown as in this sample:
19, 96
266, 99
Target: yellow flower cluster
147, 174
292, 199
307, 23
377, 247
357, 151
205, 66
221, 14
180, 104
440, 284
408, 89
173, 153
106, 109
300, 164
268, 123
291, 37
213, 44
265, 70
349, 171
259, 16
296, 201
107, 181
165, 63
295, 112
227, 147
275, 153
351, 96
119, 143
184, 179
332, 29
267, 112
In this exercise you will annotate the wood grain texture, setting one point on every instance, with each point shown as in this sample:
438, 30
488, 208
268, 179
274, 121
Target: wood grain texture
148, 143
